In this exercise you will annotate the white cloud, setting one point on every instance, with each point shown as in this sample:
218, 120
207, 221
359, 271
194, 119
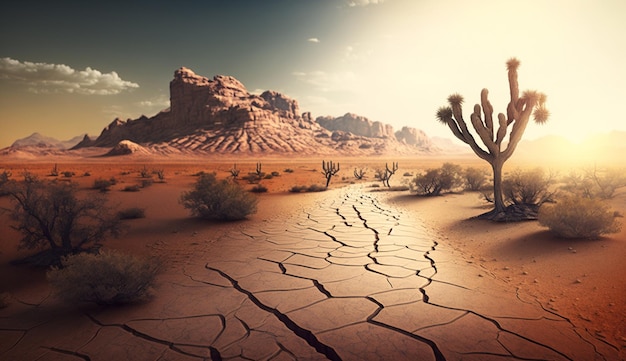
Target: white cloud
60, 78
353, 3
313, 40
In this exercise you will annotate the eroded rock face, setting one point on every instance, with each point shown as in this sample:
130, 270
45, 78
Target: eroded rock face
219, 115
358, 125
412, 136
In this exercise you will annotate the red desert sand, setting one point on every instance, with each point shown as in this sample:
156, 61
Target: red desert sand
580, 281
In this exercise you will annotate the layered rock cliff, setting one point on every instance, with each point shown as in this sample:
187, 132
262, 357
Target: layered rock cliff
219, 115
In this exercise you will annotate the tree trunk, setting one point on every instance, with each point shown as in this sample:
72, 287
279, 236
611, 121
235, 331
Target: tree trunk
497, 165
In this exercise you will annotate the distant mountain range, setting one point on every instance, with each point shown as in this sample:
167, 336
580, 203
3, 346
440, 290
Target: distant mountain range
40, 141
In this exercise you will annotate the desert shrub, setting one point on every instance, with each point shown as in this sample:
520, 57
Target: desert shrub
49, 215
259, 188
253, 178
311, 188
288, 170
578, 217
4, 181
221, 200
592, 183
475, 178
532, 187
392, 189
407, 174
68, 174
434, 181
108, 278
145, 183
275, 174
133, 188
144, 173
103, 185
268, 176
87, 174
160, 173
131, 213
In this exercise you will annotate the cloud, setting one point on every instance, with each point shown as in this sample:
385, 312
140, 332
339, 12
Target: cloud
353, 3
313, 40
60, 78
329, 82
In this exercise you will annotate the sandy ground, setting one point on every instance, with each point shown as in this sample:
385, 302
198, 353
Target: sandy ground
582, 280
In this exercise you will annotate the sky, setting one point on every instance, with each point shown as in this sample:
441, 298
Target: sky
70, 67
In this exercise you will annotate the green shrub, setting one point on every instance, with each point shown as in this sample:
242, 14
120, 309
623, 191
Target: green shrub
221, 200
108, 278
131, 213
578, 217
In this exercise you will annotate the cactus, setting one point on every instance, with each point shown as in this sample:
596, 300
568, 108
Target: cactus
258, 169
55, 171
493, 131
329, 170
234, 172
359, 174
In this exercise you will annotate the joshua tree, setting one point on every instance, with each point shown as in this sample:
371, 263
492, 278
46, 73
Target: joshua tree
517, 114
330, 170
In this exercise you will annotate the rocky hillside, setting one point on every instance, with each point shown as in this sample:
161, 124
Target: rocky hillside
219, 115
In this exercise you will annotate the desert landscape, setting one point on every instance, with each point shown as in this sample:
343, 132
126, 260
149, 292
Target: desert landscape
312, 180
354, 272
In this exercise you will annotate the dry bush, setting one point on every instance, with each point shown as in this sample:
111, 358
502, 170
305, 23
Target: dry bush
532, 187
103, 185
306, 189
434, 181
108, 278
259, 188
133, 188
475, 178
221, 200
131, 213
50, 215
594, 183
578, 217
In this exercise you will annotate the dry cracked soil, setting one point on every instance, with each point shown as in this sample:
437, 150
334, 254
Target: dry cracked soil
352, 278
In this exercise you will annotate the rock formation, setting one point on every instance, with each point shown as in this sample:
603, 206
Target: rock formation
126, 147
357, 125
219, 115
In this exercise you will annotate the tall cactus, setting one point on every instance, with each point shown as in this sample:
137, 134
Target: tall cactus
329, 170
518, 114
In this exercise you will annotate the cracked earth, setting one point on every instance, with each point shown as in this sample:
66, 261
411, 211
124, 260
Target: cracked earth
351, 279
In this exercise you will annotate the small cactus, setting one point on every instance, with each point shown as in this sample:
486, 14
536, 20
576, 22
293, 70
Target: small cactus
359, 174
330, 170
234, 172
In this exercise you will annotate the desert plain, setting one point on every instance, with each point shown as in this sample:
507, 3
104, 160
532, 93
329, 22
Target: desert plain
352, 273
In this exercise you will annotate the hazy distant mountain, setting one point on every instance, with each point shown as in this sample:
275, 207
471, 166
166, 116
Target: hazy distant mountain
607, 147
220, 116
39, 140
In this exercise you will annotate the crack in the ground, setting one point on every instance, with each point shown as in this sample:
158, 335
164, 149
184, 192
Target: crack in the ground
215, 354
299, 331
68, 352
